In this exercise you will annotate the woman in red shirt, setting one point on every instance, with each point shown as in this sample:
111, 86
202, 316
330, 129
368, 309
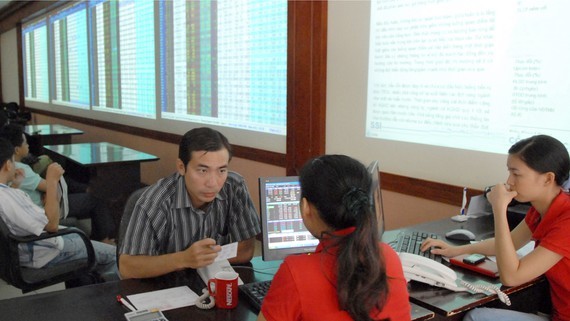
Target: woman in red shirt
538, 167
351, 276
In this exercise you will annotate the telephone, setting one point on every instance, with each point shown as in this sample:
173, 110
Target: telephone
209, 272
422, 269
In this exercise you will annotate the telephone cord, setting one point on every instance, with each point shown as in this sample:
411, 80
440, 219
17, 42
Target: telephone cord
487, 288
201, 301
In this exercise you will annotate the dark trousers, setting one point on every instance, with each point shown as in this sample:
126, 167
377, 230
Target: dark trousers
84, 205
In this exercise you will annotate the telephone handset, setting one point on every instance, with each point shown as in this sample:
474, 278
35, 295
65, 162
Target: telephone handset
422, 269
419, 268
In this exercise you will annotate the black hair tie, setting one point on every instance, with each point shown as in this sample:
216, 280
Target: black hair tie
354, 199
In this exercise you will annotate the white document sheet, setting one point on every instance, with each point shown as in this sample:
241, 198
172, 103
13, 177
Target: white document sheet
163, 300
228, 251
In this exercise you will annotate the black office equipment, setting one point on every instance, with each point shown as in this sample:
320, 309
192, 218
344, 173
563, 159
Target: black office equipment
376, 195
255, 292
16, 114
411, 241
282, 227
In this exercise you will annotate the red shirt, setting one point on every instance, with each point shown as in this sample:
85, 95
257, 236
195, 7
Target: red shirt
302, 289
553, 233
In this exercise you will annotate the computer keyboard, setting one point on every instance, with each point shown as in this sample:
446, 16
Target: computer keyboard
255, 292
411, 241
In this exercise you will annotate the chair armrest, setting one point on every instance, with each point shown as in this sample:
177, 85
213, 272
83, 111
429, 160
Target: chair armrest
60, 232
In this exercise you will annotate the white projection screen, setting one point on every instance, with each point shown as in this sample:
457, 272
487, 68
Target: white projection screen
440, 89
477, 75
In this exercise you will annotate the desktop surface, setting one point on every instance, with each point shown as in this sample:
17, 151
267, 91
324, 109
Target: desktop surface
98, 302
453, 304
48, 134
89, 154
51, 129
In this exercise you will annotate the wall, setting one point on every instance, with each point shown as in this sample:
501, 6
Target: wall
9, 66
400, 210
345, 119
168, 153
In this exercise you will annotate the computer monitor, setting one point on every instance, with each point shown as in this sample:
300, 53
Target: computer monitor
282, 228
281, 224
376, 196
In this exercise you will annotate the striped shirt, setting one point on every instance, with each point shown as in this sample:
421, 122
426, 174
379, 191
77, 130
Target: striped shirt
164, 221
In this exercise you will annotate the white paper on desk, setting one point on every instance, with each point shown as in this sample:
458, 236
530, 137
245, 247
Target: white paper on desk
163, 300
478, 206
228, 251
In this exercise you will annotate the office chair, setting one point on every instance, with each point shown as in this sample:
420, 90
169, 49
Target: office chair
3, 117
30, 279
127, 212
16, 114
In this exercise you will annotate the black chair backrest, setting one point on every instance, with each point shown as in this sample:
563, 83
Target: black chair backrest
6, 255
3, 117
15, 114
127, 212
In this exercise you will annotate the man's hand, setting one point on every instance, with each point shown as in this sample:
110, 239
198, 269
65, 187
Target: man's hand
18, 178
51, 206
54, 172
201, 253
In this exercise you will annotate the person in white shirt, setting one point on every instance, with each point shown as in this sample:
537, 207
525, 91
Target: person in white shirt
23, 217
81, 205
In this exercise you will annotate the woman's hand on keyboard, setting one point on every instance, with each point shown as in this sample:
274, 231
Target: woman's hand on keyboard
440, 247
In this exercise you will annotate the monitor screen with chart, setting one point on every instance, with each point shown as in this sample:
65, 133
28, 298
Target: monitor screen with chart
282, 227
281, 224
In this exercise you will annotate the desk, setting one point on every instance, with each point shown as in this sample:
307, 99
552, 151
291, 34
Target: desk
48, 134
98, 302
111, 171
451, 305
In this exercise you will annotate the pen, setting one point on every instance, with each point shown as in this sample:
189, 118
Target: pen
125, 303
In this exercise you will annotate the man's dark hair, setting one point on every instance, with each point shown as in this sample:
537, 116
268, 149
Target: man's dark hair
6, 151
14, 133
202, 138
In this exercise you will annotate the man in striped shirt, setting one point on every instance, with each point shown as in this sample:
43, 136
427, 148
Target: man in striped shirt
181, 221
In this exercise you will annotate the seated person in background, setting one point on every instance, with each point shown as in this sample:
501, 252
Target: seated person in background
537, 167
4, 120
351, 275
180, 222
81, 205
23, 217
